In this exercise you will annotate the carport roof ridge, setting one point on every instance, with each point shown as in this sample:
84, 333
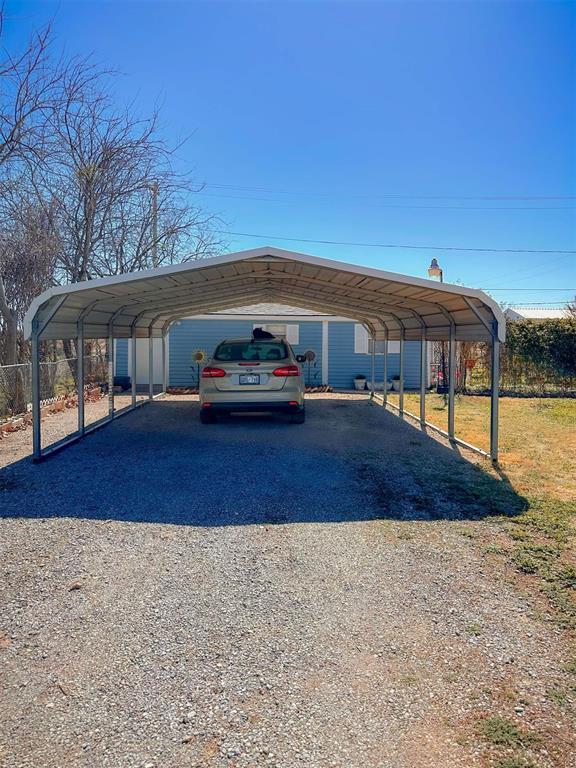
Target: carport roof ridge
149, 301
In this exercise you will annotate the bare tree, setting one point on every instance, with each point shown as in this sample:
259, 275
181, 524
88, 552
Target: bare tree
75, 184
29, 85
101, 165
28, 89
133, 241
27, 252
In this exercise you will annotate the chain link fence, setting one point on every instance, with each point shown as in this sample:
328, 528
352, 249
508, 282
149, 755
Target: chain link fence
517, 375
58, 380
15, 390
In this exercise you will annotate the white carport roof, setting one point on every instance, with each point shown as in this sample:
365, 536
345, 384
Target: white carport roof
384, 302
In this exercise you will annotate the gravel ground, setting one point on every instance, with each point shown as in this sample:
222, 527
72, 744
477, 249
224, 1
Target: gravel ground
258, 593
55, 426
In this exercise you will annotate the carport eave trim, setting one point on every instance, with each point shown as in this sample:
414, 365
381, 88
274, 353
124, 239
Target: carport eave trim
257, 254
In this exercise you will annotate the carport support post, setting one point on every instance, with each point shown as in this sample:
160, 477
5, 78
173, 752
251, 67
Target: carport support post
110, 371
80, 376
401, 392
373, 366
423, 377
36, 416
494, 395
451, 378
133, 366
385, 372
150, 364
164, 369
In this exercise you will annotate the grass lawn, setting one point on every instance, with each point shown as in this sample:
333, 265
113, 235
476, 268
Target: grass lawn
537, 437
538, 460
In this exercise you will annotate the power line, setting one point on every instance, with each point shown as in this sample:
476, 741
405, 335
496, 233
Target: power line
399, 196
390, 245
403, 207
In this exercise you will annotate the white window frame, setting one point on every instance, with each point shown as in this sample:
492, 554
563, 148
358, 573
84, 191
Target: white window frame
291, 331
363, 342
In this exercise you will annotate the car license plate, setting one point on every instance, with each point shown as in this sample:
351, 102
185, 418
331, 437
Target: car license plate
250, 378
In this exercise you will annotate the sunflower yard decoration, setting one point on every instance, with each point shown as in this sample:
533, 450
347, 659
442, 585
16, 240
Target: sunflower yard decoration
198, 357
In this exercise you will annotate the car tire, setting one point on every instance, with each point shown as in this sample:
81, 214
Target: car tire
298, 418
206, 417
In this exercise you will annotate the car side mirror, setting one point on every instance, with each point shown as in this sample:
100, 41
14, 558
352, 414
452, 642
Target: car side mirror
300, 358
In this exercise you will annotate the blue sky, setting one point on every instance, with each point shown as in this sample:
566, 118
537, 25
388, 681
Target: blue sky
409, 123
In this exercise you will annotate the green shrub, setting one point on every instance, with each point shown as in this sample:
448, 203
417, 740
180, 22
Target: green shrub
548, 344
516, 762
502, 732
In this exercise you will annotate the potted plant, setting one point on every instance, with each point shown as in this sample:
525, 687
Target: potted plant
360, 382
396, 383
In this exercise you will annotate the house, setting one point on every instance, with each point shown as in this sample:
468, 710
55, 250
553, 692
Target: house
537, 313
341, 346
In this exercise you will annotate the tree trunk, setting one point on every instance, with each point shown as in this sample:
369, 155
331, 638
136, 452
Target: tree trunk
14, 395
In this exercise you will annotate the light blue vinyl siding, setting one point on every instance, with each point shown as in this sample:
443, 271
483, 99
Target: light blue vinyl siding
122, 357
189, 335
344, 364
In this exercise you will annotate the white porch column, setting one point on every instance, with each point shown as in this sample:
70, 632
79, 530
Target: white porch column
164, 365
325, 350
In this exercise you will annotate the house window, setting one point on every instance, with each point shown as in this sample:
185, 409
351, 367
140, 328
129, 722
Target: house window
289, 331
363, 343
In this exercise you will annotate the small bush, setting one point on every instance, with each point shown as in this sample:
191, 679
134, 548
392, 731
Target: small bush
502, 732
516, 762
557, 695
567, 576
570, 667
534, 558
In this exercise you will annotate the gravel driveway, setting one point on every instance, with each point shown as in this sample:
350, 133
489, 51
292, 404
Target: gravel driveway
256, 593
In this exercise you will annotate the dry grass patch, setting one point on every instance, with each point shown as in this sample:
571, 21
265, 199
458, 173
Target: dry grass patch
537, 437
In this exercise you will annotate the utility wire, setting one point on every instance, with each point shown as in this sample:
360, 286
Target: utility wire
394, 206
390, 245
240, 188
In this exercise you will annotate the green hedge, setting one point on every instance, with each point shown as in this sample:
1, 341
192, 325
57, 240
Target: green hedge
548, 344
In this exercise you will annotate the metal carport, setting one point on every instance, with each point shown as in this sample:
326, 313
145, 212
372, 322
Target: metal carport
144, 304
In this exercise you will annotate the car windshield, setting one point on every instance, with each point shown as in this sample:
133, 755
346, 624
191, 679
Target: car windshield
235, 351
